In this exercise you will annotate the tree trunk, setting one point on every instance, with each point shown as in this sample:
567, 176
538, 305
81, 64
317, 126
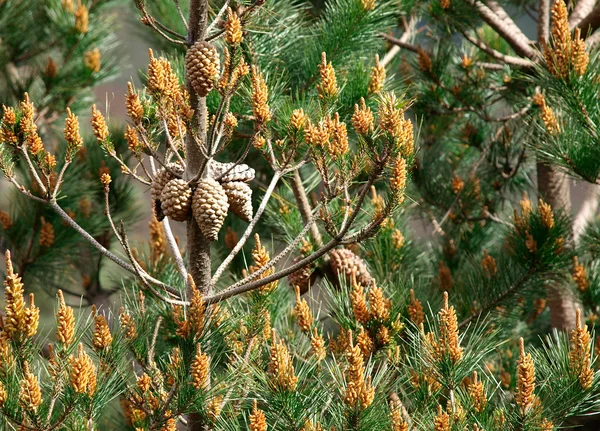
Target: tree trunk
198, 246
553, 187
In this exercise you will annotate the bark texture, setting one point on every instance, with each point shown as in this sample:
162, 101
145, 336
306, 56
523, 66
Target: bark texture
553, 187
198, 246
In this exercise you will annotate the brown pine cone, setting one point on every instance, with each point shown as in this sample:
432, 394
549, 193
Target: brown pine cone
303, 278
209, 206
344, 263
239, 172
176, 200
158, 184
202, 66
239, 196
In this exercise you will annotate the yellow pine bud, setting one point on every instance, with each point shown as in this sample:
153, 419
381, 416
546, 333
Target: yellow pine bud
398, 175
362, 119
415, 310
281, 368
368, 5
379, 304
261, 258
127, 325
229, 124
339, 143
196, 311
317, 344
99, 125
354, 375
233, 28
102, 338
398, 422
579, 275
304, 317
5, 220
377, 78
3, 395
31, 318
441, 421
81, 18
524, 395
82, 375
258, 422
488, 263
549, 119
7, 133
105, 179
93, 60
15, 303
546, 213
477, 394
327, 87
359, 303
135, 110
260, 98
580, 56
449, 341
199, 369
30, 394
71, 131
579, 354
424, 61
46, 234
65, 321
298, 119
364, 342
133, 141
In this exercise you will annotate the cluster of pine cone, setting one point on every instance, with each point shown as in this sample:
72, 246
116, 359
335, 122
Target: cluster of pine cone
209, 200
343, 263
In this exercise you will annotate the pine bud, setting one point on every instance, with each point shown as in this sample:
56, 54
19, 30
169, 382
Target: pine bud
524, 396
377, 78
71, 132
65, 321
99, 125
199, 369
233, 28
260, 97
81, 19
258, 422
298, 119
46, 234
327, 88
15, 303
102, 338
135, 110
93, 60
30, 394
362, 119
304, 317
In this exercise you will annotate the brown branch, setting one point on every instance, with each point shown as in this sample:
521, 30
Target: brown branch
304, 206
508, 59
505, 27
582, 9
591, 22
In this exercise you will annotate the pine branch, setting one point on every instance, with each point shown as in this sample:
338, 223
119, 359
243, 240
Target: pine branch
505, 27
590, 23
582, 9
508, 59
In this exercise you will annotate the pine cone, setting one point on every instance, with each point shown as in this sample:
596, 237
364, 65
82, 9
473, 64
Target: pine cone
344, 263
202, 66
210, 206
239, 196
176, 199
239, 172
158, 184
303, 278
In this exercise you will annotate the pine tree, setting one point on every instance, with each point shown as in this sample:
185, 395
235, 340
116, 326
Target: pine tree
274, 123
